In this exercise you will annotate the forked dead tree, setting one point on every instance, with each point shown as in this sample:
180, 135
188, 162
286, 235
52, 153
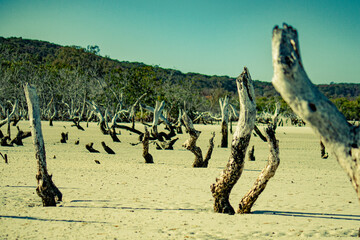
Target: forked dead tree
292, 82
221, 189
224, 106
190, 144
46, 189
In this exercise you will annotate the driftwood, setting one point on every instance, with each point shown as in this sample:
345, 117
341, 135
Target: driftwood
147, 156
190, 144
268, 172
90, 148
46, 189
292, 82
221, 189
107, 148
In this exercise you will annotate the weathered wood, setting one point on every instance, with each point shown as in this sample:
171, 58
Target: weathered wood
268, 172
46, 189
147, 156
292, 82
221, 189
210, 150
9, 115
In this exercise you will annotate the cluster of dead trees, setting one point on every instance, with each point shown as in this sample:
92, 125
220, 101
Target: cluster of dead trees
290, 80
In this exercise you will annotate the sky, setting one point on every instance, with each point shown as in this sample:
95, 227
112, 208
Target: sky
210, 37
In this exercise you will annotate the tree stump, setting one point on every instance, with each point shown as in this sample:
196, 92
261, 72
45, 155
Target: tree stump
90, 148
251, 155
107, 148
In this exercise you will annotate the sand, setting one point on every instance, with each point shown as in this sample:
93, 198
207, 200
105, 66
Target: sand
124, 198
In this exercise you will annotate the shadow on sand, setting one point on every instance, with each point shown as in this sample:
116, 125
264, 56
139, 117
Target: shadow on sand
311, 215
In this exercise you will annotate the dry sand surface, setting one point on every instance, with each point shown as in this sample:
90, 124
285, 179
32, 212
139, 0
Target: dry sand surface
124, 198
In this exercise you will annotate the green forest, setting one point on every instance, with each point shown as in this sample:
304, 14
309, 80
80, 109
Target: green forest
66, 75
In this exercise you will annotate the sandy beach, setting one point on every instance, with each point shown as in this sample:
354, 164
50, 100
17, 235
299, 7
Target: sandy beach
124, 198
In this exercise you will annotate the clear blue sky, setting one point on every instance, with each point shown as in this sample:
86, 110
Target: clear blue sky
211, 37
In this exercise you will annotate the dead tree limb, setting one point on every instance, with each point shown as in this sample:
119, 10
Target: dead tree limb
292, 82
268, 172
46, 189
20, 136
10, 115
221, 189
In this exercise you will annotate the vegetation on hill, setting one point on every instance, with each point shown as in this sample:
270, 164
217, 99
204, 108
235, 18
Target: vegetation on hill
71, 73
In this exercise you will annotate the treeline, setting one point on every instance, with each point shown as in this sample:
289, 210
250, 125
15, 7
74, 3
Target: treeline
68, 75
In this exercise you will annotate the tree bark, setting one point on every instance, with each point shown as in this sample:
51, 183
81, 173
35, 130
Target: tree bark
46, 189
292, 82
268, 172
221, 189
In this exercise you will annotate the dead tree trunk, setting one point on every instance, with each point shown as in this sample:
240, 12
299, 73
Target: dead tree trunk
268, 172
147, 156
4, 157
224, 106
190, 144
46, 189
292, 82
10, 115
241, 138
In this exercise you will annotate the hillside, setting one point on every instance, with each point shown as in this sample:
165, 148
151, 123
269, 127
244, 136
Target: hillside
82, 71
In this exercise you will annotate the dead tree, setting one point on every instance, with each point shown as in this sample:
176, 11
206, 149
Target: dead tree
224, 106
147, 156
7, 120
46, 189
268, 172
107, 148
221, 189
190, 144
292, 82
